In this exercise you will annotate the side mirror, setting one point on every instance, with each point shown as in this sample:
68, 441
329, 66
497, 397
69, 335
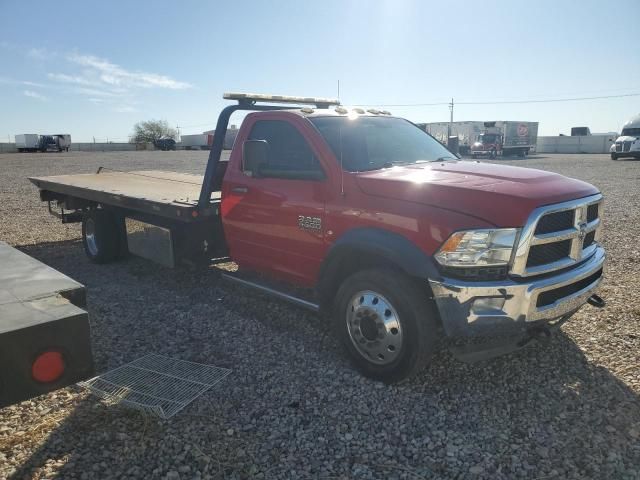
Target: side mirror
255, 154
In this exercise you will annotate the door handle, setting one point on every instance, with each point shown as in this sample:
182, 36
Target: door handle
240, 190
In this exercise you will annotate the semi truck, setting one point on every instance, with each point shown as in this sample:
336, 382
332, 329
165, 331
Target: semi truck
628, 143
506, 138
488, 138
365, 219
32, 142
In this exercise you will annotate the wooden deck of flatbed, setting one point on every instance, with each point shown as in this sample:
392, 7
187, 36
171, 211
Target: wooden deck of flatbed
168, 194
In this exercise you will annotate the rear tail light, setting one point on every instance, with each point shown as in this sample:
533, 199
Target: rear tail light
48, 367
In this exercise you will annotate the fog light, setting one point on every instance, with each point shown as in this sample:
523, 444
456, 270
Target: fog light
488, 303
48, 367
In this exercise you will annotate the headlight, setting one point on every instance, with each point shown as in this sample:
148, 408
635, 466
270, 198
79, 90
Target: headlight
478, 248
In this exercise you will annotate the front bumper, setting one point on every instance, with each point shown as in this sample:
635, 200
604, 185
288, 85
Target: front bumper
628, 154
510, 306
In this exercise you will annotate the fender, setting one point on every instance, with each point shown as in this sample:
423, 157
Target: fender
387, 246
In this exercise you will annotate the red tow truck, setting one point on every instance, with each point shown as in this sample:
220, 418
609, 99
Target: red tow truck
364, 218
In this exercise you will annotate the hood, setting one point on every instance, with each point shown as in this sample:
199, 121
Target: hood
499, 194
626, 139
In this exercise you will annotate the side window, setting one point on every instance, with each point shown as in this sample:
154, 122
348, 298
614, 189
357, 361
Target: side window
289, 155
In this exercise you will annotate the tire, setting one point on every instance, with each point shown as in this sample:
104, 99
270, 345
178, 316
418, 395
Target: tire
493, 154
614, 156
394, 343
102, 236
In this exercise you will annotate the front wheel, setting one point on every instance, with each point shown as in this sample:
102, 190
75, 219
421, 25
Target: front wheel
493, 154
614, 156
386, 324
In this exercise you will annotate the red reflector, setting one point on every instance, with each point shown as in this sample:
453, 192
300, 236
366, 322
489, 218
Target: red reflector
48, 367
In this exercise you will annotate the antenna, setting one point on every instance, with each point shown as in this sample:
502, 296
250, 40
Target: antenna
341, 163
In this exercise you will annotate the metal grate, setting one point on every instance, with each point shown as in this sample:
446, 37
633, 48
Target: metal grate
589, 239
555, 222
157, 384
548, 253
551, 296
592, 212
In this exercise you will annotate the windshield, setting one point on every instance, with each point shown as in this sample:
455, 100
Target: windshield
631, 132
370, 143
487, 138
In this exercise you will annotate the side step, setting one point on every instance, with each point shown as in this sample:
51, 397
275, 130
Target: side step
300, 302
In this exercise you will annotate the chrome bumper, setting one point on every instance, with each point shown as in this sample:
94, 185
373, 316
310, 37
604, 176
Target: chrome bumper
479, 308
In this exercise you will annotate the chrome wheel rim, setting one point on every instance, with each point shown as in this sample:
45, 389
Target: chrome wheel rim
374, 327
90, 236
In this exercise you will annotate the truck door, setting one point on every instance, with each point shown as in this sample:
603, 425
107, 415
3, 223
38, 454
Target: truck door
273, 218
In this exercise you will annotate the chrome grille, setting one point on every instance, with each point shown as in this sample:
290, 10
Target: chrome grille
558, 236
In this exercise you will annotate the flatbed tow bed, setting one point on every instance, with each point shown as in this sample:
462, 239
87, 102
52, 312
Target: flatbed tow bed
167, 194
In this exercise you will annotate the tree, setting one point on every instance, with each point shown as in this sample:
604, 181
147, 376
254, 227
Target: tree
152, 130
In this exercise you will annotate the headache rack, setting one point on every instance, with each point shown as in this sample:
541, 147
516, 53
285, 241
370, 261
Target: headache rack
247, 101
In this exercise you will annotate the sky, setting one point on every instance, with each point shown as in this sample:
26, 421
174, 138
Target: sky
95, 69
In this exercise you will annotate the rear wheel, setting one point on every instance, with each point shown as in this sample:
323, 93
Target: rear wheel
385, 323
102, 236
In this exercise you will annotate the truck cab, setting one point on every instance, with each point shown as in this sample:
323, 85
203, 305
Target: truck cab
488, 144
368, 220
627, 145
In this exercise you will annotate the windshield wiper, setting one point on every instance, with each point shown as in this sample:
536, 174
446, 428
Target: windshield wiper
440, 159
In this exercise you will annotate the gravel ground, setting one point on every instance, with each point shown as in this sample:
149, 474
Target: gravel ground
293, 407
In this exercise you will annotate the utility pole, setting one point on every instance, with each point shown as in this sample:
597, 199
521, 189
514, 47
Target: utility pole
338, 89
450, 117
178, 129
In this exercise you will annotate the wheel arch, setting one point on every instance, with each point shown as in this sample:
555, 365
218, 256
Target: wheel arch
367, 247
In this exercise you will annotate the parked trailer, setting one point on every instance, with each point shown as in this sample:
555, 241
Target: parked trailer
467, 133
27, 142
394, 245
201, 141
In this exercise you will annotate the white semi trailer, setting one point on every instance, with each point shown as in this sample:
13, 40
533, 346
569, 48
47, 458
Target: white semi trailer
27, 142
199, 141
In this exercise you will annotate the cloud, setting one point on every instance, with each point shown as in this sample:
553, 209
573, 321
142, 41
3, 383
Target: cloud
77, 79
39, 53
36, 95
112, 74
124, 109
28, 83
97, 92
